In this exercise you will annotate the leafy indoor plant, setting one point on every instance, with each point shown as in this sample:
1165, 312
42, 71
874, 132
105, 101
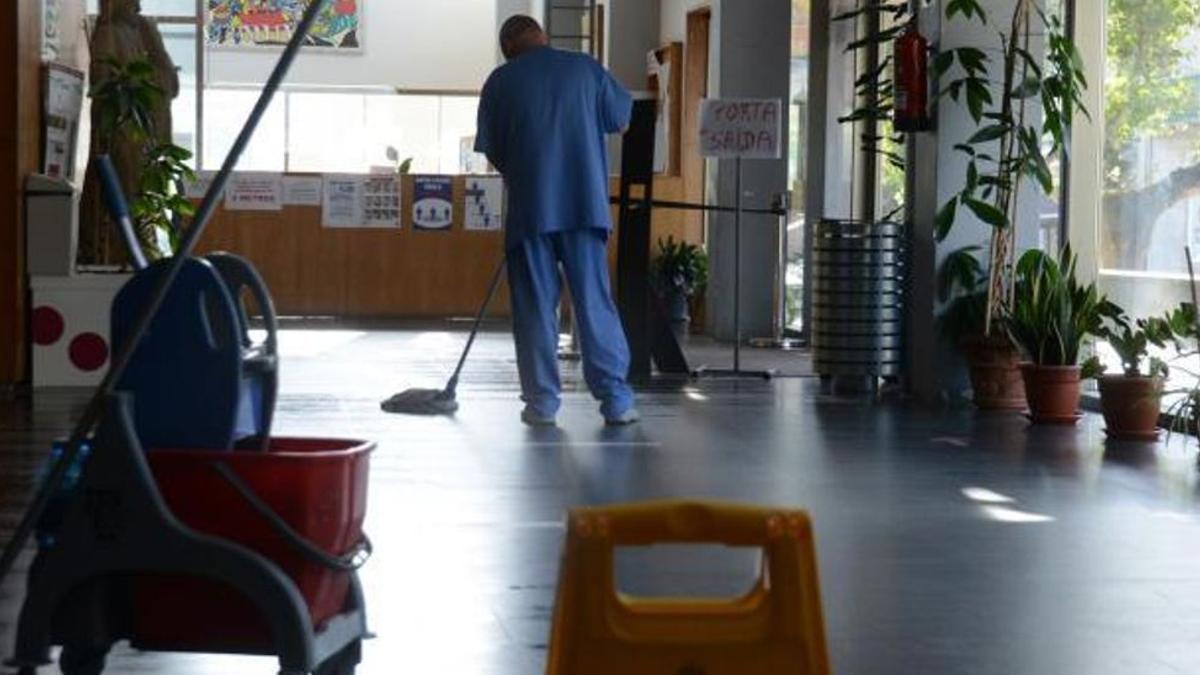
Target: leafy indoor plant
1132, 399
679, 270
996, 380
125, 100
1020, 132
1051, 316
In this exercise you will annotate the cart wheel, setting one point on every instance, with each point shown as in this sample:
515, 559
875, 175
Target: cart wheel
82, 660
344, 662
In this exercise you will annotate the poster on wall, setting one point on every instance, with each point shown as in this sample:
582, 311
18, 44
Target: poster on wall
271, 23
302, 190
63, 107
484, 203
381, 201
254, 192
433, 202
342, 201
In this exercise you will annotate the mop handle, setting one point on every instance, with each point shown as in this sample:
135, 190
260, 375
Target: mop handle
95, 407
452, 385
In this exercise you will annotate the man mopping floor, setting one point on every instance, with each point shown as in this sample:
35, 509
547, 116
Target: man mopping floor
543, 118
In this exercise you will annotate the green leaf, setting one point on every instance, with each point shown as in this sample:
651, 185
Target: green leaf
987, 134
1032, 86
942, 63
944, 220
987, 213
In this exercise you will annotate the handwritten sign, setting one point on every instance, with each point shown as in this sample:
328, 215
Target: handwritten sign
747, 128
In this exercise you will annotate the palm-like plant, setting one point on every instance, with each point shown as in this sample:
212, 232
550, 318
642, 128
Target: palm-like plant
1053, 313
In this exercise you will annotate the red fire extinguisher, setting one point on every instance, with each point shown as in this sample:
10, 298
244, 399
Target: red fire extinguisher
912, 82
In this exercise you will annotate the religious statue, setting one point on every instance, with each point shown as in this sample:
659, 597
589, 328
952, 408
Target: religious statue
121, 36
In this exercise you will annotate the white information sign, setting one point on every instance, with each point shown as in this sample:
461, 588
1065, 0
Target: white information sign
484, 198
746, 128
342, 206
254, 192
302, 190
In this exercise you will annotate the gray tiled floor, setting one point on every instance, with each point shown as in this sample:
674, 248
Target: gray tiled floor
948, 542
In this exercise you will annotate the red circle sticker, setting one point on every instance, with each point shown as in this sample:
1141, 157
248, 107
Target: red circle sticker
47, 326
89, 352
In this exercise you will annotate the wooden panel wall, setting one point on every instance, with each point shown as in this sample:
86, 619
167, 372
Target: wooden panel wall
314, 271
20, 142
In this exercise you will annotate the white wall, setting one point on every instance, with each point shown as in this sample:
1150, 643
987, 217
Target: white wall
632, 33
411, 44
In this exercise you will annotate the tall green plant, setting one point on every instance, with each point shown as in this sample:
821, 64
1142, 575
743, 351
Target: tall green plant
1011, 144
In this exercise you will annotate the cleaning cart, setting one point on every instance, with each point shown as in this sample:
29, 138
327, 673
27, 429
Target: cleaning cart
202, 551
172, 518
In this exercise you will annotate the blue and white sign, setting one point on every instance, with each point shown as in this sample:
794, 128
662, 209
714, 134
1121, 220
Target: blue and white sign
433, 202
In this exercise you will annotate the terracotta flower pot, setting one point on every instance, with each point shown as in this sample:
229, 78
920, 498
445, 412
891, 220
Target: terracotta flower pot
1052, 392
995, 366
1131, 406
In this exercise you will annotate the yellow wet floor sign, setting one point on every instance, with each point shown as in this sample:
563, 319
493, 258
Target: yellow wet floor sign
776, 629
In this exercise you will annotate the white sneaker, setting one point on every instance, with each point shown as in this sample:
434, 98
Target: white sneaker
532, 418
626, 418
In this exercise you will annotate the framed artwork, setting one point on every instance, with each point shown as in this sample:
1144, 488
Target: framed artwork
240, 24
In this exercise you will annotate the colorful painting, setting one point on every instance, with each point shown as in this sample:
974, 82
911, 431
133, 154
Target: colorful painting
270, 23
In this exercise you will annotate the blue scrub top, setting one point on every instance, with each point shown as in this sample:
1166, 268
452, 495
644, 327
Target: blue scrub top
542, 121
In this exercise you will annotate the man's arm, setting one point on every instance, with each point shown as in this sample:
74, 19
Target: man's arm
488, 140
616, 105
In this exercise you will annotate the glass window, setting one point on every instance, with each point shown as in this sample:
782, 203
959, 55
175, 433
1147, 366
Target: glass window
226, 111
797, 169
327, 132
180, 41
411, 125
1151, 203
457, 133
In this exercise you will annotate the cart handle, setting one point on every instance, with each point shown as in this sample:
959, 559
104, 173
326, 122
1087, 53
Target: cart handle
352, 561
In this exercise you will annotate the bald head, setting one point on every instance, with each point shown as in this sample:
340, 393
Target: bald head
520, 34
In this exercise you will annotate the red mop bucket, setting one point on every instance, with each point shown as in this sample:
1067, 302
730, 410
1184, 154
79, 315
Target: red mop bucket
318, 487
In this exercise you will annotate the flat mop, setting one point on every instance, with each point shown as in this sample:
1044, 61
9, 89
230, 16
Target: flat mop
443, 401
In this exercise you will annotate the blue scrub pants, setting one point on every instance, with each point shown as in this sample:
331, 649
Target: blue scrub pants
534, 280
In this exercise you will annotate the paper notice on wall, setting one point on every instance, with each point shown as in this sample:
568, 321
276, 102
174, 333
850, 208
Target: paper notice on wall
484, 203
254, 192
197, 187
63, 108
302, 190
433, 202
748, 128
342, 203
381, 201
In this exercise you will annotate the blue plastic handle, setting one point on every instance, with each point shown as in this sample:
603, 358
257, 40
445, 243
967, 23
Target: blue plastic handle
118, 208
110, 182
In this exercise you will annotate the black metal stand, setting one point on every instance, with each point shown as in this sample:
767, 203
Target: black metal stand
736, 372
642, 313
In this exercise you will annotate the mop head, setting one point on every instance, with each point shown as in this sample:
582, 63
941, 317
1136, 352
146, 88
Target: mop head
421, 402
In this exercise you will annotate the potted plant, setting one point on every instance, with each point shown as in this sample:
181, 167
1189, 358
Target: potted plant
124, 101
1132, 399
1050, 317
993, 362
1018, 136
679, 270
